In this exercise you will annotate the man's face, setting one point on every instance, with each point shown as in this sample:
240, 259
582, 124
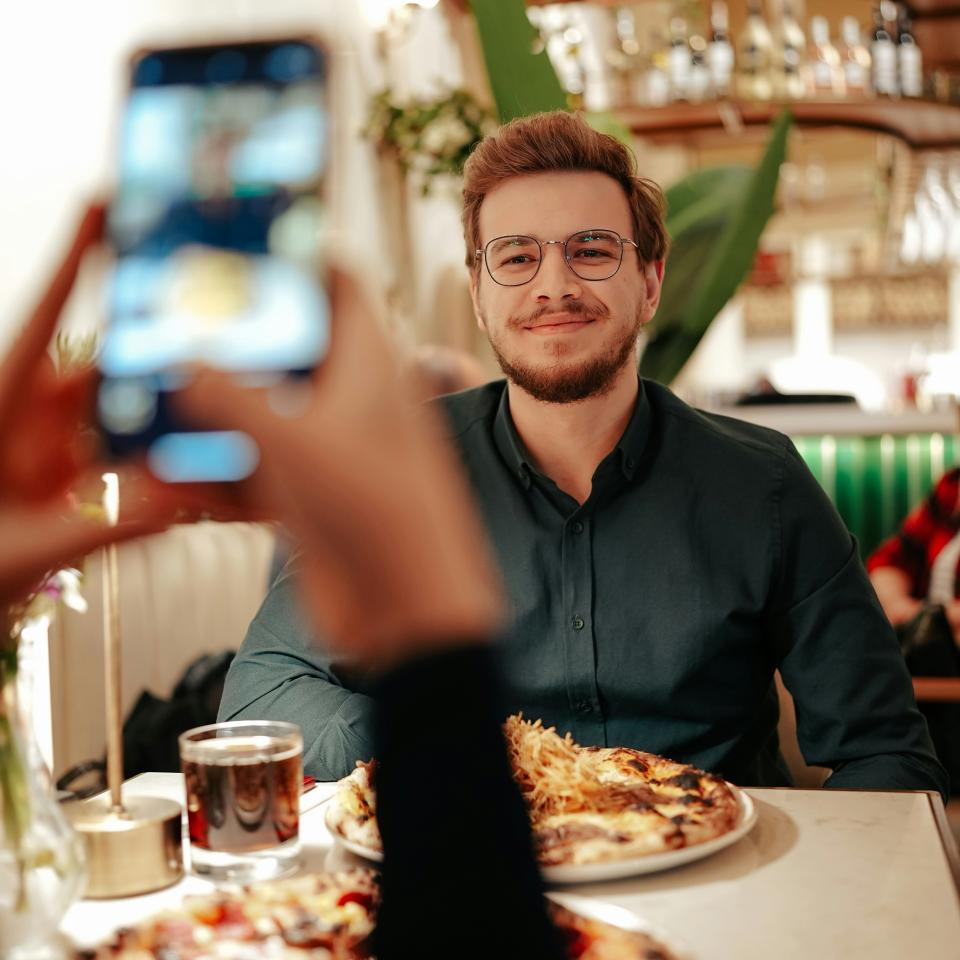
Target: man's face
559, 337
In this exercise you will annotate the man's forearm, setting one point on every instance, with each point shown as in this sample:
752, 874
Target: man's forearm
337, 723
892, 771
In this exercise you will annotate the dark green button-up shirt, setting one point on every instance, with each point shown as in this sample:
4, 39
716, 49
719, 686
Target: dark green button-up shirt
653, 615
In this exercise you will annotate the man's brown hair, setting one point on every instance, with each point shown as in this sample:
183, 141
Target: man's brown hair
561, 141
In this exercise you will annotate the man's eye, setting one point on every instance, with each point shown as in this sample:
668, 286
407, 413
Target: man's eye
592, 253
518, 259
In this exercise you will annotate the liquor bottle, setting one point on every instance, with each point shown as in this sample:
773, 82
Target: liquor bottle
824, 74
889, 12
788, 46
679, 59
909, 58
625, 61
754, 49
699, 87
883, 55
854, 58
656, 79
720, 50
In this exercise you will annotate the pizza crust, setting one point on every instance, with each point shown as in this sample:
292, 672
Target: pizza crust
353, 810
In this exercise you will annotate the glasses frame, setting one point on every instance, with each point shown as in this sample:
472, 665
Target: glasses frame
482, 253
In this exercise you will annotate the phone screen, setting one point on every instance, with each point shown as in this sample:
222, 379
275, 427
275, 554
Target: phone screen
216, 225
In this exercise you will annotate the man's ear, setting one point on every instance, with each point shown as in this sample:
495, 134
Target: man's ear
653, 280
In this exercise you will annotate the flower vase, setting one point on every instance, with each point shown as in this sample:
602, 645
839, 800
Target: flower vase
42, 867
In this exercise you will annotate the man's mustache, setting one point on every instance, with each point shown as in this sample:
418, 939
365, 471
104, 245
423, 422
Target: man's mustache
574, 308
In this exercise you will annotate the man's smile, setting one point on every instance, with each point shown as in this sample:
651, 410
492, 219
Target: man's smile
559, 323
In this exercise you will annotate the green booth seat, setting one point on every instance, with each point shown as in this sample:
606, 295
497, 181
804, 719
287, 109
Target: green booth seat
874, 467
875, 481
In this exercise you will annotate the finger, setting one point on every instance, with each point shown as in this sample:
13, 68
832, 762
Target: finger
144, 498
334, 600
33, 341
38, 541
356, 335
214, 399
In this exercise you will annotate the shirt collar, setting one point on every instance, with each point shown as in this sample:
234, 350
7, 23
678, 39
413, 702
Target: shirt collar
629, 448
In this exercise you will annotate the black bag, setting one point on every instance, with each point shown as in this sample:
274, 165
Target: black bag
930, 651
151, 729
927, 644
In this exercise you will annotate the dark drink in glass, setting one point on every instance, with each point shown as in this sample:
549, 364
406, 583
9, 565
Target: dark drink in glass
243, 783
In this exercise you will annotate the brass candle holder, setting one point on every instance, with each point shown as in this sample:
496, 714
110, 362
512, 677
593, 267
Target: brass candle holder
132, 846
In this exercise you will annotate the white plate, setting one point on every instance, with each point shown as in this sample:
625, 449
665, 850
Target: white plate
368, 853
619, 917
654, 862
610, 869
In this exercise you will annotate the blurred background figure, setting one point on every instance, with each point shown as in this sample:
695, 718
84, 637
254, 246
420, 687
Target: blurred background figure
436, 370
915, 574
918, 565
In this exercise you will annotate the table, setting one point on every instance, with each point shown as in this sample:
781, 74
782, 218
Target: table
824, 873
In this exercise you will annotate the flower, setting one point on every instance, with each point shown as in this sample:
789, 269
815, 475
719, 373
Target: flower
429, 137
61, 587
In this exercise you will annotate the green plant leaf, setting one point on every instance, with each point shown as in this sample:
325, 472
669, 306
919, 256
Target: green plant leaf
522, 82
715, 219
709, 183
605, 122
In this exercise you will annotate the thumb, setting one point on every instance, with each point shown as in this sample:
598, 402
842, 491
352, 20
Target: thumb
213, 400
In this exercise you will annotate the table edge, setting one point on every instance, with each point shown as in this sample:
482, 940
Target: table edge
947, 840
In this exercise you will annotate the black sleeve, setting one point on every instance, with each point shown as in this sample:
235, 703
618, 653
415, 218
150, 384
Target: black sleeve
459, 875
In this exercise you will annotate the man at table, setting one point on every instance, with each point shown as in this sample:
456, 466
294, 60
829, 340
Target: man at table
661, 563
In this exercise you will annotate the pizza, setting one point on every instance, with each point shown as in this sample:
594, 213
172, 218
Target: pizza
586, 804
591, 804
321, 917
352, 813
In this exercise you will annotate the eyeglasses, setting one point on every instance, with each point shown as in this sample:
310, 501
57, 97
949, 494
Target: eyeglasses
591, 254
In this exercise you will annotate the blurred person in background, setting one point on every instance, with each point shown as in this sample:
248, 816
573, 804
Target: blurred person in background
916, 573
437, 370
394, 569
920, 563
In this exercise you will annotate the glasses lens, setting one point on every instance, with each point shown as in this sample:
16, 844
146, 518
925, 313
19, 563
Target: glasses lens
512, 260
594, 254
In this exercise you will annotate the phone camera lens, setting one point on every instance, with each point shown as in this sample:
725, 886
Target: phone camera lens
126, 406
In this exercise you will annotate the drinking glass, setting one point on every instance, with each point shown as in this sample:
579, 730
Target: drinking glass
243, 782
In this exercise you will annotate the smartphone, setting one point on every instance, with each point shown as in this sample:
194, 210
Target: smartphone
216, 224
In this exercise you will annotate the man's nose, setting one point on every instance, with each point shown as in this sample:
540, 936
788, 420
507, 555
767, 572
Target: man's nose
555, 279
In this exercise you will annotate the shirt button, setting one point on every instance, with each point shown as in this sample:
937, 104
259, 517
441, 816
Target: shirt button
577, 623
577, 527
630, 463
584, 706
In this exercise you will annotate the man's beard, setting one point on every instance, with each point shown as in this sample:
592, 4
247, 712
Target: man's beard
569, 382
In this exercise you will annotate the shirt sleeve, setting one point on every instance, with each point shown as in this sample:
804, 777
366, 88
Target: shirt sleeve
837, 653
445, 794
282, 672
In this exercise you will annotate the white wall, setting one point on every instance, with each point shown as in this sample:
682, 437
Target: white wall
62, 74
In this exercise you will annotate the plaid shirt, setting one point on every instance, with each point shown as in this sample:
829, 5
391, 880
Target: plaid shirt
924, 533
